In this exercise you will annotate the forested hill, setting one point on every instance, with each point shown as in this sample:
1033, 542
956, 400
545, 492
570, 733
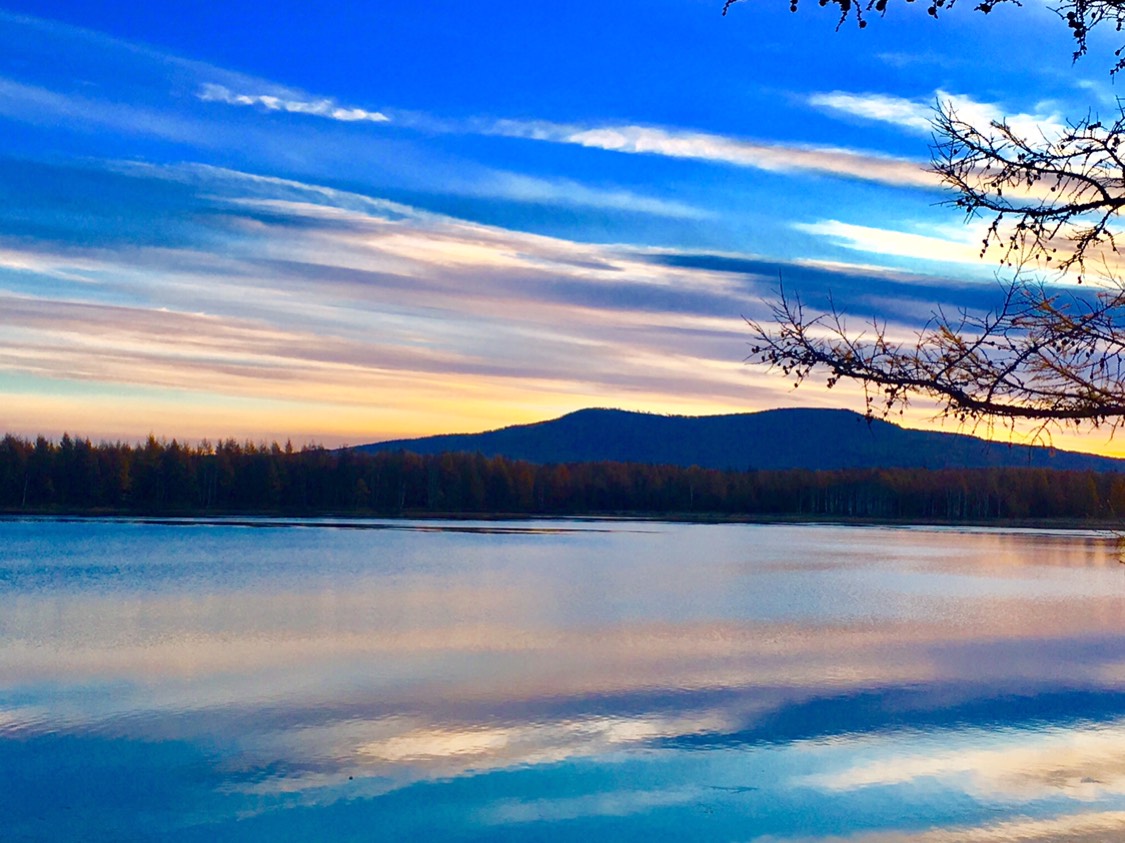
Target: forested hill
772, 439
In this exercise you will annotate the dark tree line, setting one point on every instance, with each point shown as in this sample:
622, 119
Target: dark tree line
74, 475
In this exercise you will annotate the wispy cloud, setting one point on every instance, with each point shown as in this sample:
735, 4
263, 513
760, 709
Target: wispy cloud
234, 286
44, 107
187, 117
956, 243
330, 298
960, 245
901, 59
278, 290
624, 138
523, 188
916, 115
722, 149
322, 107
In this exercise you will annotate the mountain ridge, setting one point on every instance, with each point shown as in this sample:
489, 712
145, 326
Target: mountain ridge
787, 438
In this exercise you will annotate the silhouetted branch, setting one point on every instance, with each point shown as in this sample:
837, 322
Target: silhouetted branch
1080, 16
1051, 191
1038, 355
1051, 196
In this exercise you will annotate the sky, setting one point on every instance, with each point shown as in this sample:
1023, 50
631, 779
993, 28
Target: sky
342, 225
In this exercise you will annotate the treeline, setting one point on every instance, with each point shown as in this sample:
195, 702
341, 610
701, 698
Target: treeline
158, 477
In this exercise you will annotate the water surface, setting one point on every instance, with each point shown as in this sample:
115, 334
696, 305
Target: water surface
293, 681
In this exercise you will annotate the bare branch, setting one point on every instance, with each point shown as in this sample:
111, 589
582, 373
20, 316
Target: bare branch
1051, 191
1040, 355
1080, 16
1051, 198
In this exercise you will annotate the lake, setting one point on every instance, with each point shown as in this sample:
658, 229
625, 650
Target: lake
558, 680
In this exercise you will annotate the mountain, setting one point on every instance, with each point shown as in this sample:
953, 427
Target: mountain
771, 439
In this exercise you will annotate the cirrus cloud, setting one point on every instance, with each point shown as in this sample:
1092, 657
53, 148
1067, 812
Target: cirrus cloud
323, 107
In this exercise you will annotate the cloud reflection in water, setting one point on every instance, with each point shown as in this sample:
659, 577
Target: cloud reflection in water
669, 681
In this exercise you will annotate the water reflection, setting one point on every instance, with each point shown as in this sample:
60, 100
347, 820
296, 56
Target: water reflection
531, 681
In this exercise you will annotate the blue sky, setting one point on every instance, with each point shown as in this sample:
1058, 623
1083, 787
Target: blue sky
272, 220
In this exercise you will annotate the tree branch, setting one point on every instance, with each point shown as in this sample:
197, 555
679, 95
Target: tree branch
1041, 356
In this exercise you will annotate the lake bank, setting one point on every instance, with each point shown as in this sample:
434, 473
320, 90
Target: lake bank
348, 516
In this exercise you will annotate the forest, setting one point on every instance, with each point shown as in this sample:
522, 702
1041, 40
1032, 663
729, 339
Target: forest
169, 478
161, 477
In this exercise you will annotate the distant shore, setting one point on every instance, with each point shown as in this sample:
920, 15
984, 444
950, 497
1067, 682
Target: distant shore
347, 517
166, 479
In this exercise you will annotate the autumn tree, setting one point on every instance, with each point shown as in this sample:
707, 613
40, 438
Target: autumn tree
1054, 354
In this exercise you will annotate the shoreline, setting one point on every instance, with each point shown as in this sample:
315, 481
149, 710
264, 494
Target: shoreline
346, 517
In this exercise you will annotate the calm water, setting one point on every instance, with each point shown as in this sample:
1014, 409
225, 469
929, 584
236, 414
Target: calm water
558, 681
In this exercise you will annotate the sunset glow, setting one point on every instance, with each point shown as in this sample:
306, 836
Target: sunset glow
374, 225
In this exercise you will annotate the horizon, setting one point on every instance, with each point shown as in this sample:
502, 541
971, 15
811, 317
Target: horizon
312, 444
375, 224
